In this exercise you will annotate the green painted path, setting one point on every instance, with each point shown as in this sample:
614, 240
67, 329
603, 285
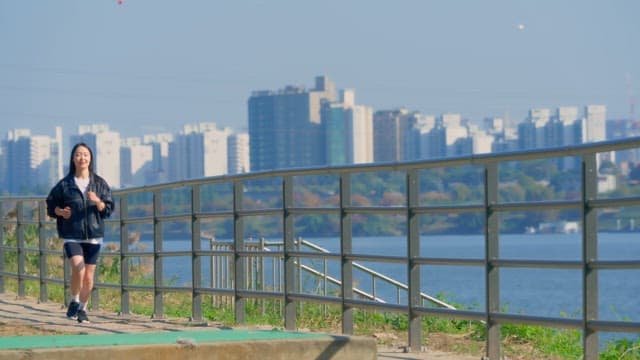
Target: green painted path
173, 337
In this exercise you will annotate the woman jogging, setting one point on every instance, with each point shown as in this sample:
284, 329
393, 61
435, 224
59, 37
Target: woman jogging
80, 202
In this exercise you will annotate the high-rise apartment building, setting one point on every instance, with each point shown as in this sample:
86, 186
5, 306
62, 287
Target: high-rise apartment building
159, 169
594, 123
360, 134
106, 150
136, 160
238, 152
568, 116
493, 125
481, 140
455, 130
435, 142
19, 172
449, 136
531, 131
285, 126
200, 150
33, 162
348, 131
423, 126
390, 130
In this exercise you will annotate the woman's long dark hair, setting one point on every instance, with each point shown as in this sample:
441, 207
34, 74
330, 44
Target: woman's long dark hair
72, 165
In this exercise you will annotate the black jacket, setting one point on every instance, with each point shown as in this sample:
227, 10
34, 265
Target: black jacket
86, 222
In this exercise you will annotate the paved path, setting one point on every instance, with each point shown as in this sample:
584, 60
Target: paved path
50, 316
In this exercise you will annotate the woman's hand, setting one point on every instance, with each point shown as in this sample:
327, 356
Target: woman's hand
96, 200
65, 213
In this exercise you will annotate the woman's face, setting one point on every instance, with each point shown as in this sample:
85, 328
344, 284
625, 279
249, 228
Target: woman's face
82, 158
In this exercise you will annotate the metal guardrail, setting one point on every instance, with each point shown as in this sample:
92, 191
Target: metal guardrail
21, 214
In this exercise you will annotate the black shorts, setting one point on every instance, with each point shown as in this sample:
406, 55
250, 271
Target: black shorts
88, 251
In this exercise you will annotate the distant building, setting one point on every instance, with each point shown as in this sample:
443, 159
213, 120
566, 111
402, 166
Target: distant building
595, 117
620, 129
482, 142
238, 152
106, 150
348, 131
394, 135
424, 125
136, 159
531, 131
285, 126
448, 135
200, 150
456, 135
435, 142
32, 162
360, 132
158, 172
493, 125
593, 128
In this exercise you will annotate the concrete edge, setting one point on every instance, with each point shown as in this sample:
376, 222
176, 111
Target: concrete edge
330, 347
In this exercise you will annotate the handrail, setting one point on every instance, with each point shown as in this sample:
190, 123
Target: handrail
382, 277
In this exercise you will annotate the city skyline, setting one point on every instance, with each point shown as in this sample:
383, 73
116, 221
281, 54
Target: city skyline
203, 149
152, 66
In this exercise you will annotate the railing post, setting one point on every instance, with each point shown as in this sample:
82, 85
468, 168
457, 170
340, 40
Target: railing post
589, 254
42, 246
1, 248
95, 292
66, 274
239, 282
158, 305
345, 249
289, 261
196, 260
124, 261
413, 269
492, 252
21, 251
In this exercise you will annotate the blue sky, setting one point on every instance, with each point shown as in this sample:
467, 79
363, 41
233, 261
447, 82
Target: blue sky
153, 65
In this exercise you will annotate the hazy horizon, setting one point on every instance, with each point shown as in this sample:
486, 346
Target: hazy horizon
150, 66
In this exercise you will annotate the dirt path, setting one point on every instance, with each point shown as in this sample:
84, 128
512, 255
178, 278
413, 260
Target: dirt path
27, 316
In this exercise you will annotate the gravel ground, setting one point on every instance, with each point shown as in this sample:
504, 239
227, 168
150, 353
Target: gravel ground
27, 316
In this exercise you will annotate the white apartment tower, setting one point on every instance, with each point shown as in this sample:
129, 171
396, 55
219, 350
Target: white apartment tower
454, 130
360, 134
238, 152
594, 123
33, 162
106, 150
200, 150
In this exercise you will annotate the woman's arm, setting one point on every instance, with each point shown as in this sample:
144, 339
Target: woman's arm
55, 201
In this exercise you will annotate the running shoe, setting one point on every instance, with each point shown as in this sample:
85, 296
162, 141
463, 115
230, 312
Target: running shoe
72, 311
82, 317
